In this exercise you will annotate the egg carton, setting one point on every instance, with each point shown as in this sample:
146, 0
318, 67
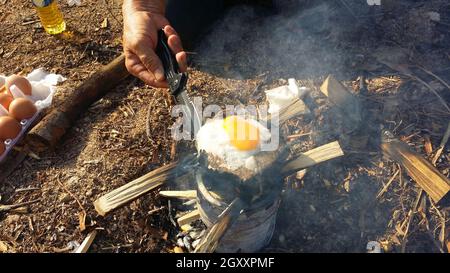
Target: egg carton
43, 89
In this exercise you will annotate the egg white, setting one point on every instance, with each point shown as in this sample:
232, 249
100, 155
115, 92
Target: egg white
214, 139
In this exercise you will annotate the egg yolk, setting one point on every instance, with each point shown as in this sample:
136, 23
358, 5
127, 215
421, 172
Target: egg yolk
244, 136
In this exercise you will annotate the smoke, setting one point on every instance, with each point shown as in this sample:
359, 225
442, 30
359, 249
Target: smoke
300, 43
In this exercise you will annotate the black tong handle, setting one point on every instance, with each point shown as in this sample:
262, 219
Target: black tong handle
176, 80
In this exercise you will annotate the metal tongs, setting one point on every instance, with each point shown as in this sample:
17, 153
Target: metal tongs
177, 82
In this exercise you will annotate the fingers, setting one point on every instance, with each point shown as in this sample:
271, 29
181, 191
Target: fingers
150, 60
176, 46
182, 61
138, 69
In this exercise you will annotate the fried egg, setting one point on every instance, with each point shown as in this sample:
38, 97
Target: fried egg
234, 140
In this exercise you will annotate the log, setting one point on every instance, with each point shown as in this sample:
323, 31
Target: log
313, 157
435, 184
53, 126
135, 189
188, 218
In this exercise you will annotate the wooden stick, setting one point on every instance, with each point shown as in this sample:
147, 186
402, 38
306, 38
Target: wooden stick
192, 194
435, 184
134, 189
4, 208
52, 127
188, 218
315, 156
84, 247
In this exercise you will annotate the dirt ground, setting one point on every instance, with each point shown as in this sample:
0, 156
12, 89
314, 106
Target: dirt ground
332, 208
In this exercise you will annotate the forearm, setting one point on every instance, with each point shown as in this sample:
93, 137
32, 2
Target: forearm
152, 6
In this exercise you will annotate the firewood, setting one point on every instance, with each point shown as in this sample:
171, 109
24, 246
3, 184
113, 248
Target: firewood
227, 218
192, 194
189, 218
297, 107
344, 100
53, 126
135, 189
315, 156
84, 247
435, 184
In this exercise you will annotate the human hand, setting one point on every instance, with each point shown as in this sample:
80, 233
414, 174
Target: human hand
142, 20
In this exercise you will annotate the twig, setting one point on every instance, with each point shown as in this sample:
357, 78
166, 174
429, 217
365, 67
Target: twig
27, 189
435, 76
443, 102
387, 184
298, 135
411, 214
442, 145
71, 194
4, 208
29, 22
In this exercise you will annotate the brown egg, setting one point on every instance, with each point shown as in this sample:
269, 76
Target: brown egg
22, 108
5, 100
9, 128
2, 147
21, 82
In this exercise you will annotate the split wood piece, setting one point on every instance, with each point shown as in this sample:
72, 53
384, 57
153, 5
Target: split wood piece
86, 244
435, 184
53, 126
211, 240
134, 189
191, 194
189, 218
297, 107
315, 156
348, 103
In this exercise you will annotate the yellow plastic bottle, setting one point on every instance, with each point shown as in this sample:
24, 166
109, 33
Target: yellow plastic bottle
51, 17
